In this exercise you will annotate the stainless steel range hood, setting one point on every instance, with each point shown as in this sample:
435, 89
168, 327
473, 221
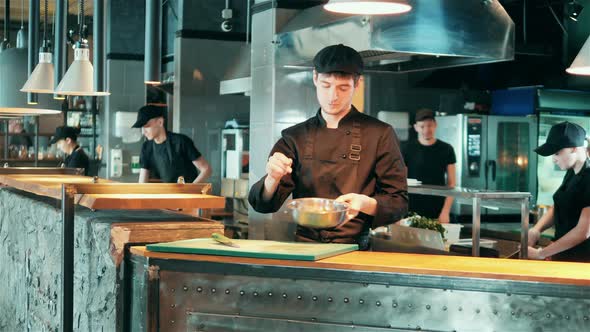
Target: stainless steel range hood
435, 34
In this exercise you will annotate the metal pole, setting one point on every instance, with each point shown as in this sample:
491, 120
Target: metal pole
6, 137
67, 269
94, 111
475, 229
98, 46
59, 49
7, 21
524, 232
33, 98
36, 141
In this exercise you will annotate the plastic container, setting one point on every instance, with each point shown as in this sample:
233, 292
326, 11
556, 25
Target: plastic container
452, 232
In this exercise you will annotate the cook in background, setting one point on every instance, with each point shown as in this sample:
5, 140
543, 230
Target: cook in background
340, 153
67, 141
165, 154
431, 161
570, 213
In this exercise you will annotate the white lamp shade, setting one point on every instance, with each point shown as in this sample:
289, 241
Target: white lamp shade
41, 79
368, 7
581, 64
79, 79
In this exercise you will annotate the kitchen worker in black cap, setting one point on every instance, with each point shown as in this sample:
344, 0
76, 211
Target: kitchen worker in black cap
167, 155
67, 141
339, 153
570, 213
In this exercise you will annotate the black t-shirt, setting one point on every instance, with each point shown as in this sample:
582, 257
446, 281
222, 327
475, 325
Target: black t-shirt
78, 159
570, 198
171, 159
428, 163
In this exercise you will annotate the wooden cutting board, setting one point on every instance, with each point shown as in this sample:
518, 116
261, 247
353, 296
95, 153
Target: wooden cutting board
256, 249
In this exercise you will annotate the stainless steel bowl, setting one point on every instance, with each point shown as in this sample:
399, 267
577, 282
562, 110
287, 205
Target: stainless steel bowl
318, 212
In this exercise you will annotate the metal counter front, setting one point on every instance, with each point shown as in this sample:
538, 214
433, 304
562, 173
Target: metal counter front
358, 291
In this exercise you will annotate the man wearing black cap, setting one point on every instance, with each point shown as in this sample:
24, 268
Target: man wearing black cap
67, 141
570, 213
167, 155
430, 160
339, 154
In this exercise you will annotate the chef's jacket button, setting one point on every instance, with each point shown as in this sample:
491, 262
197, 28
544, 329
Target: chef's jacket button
343, 156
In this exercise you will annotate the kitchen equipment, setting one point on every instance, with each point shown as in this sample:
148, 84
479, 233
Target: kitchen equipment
493, 153
224, 240
256, 249
315, 212
409, 240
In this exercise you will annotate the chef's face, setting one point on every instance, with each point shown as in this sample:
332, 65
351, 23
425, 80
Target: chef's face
565, 158
334, 91
153, 128
426, 129
64, 144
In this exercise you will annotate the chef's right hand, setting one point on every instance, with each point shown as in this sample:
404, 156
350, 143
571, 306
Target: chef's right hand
278, 165
534, 236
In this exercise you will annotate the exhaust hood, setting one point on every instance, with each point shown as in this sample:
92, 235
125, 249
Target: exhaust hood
434, 34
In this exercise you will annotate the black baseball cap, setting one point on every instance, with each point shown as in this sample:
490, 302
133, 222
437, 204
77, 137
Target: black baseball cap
562, 135
425, 114
64, 132
146, 113
338, 58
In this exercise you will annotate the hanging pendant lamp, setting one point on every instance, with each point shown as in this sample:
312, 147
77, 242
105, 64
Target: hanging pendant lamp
368, 7
581, 64
79, 78
41, 79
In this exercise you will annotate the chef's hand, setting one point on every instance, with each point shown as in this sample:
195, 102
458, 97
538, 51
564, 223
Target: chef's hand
444, 217
278, 165
535, 253
359, 203
534, 236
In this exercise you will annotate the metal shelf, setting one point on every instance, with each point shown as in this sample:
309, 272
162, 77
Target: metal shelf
475, 197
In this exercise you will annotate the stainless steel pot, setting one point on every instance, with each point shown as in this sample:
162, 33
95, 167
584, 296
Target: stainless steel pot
318, 212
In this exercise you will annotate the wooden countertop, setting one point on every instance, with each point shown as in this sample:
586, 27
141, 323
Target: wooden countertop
50, 186
451, 266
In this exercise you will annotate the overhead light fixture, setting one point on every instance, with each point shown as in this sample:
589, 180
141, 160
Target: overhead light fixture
574, 10
13, 65
79, 78
41, 79
581, 64
153, 42
368, 7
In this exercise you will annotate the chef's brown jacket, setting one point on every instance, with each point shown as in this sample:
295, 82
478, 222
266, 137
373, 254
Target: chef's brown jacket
325, 165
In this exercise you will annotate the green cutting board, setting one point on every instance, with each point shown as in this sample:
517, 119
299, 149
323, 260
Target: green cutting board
256, 249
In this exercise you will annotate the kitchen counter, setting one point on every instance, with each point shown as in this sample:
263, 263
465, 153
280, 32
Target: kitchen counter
358, 291
31, 253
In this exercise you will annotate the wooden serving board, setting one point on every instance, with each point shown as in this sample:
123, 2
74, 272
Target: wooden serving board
50, 186
256, 249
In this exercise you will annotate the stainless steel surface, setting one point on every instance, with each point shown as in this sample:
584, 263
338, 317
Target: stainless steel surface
515, 200
524, 229
237, 79
458, 33
225, 323
315, 212
279, 98
475, 231
236, 297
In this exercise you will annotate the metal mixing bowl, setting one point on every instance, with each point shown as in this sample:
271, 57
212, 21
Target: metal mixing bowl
318, 212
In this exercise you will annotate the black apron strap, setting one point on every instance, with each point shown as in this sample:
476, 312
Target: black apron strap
355, 146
